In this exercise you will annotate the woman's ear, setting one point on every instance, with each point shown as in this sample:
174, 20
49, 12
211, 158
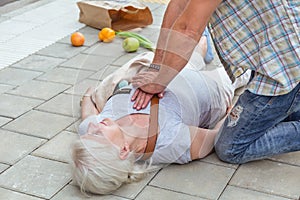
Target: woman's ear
124, 151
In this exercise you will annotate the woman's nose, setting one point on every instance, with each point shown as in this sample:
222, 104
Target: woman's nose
93, 126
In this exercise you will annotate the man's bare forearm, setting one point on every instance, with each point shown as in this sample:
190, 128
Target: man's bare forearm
180, 34
173, 11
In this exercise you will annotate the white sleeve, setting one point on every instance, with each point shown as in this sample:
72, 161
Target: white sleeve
173, 144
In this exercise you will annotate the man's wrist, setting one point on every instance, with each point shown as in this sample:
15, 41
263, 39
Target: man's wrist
154, 66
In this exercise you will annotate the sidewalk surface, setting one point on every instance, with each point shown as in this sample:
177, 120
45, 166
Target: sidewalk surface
42, 78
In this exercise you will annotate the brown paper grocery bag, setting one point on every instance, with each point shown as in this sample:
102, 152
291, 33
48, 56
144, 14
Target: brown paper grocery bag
118, 16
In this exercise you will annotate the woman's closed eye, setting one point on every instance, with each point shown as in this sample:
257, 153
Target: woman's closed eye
96, 129
107, 129
96, 134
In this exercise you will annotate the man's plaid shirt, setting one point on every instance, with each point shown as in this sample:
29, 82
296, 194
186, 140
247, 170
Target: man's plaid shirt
260, 35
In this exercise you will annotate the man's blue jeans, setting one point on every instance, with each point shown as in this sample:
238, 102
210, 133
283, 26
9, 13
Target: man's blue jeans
259, 127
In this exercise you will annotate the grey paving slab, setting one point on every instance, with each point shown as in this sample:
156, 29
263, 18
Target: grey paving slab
150, 193
16, 146
13, 106
213, 159
4, 120
58, 148
3, 167
89, 30
4, 88
124, 59
189, 178
40, 124
11, 195
89, 39
103, 73
39, 89
63, 104
81, 87
60, 50
269, 177
290, 158
74, 127
236, 193
88, 62
113, 49
133, 189
39, 63
65, 75
36, 176
13, 76
73, 193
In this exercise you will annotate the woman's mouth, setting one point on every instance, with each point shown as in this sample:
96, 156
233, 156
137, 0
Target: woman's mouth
104, 123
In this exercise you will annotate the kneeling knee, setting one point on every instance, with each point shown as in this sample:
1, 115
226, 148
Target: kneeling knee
226, 155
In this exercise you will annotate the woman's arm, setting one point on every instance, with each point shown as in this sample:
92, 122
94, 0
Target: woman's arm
202, 140
88, 107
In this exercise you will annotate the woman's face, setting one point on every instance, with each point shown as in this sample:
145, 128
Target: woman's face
108, 129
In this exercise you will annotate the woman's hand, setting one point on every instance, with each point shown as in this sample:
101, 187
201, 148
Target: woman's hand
145, 82
142, 99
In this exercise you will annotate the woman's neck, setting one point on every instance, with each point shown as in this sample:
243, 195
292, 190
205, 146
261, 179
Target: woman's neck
135, 130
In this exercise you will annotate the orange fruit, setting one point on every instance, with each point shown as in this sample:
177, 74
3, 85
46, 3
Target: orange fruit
77, 39
106, 35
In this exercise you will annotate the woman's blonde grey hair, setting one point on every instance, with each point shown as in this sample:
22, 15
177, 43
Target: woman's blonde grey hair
98, 169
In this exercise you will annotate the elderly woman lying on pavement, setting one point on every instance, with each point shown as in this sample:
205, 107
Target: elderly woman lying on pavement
114, 135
